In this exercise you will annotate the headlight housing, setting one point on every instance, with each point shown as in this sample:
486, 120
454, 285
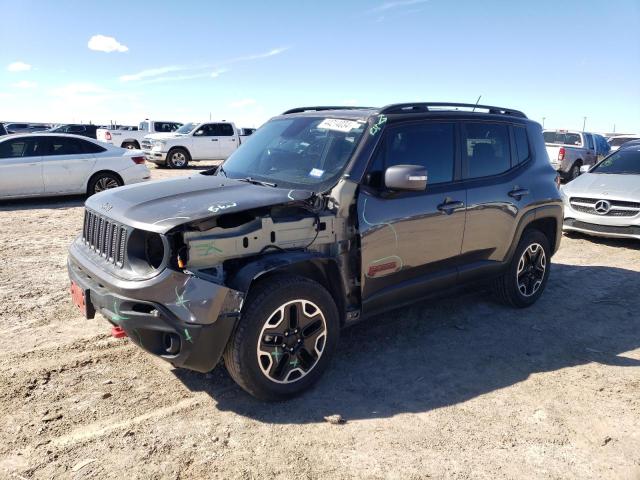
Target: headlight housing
147, 252
159, 144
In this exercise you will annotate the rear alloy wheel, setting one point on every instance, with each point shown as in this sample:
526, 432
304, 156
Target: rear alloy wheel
574, 172
287, 333
178, 158
526, 276
102, 182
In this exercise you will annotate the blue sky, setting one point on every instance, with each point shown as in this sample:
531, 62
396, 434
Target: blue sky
246, 61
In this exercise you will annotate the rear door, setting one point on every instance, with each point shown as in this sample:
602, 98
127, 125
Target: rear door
227, 141
494, 173
66, 164
590, 148
411, 241
20, 167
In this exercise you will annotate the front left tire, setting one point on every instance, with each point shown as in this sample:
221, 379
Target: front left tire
287, 334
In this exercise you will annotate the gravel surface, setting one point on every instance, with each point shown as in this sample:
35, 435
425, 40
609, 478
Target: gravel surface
453, 387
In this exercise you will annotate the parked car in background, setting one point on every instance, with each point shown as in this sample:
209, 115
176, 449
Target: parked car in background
193, 141
129, 138
605, 200
243, 133
618, 140
568, 150
50, 164
26, 127
76, 129
321, 220
3, 131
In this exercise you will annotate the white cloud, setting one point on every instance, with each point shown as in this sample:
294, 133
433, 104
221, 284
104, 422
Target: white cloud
395, 4
155, 75
102, 43
24, 84
151, 72
18, 67
245, 102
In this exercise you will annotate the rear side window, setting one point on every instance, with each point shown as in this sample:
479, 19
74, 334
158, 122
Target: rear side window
144, 126
486, 147
90, 147
589, 141
65, 146
223, 129
429, 144
522, 144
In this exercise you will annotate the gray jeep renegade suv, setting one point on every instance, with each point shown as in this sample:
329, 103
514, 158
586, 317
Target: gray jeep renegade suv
324, 217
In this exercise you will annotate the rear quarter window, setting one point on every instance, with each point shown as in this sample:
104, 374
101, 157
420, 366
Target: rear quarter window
522, 144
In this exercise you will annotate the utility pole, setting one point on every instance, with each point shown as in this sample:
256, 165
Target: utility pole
584, 123
543, 119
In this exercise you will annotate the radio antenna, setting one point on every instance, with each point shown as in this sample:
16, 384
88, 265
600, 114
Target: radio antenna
477, 102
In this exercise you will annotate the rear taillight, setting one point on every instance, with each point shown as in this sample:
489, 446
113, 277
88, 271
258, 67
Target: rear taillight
138, 160
561, 153
107, 136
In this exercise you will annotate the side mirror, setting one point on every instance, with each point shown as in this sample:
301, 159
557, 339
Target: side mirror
199, 133
584, 168
406, 178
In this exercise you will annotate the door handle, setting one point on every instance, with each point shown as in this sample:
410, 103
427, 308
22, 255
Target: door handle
233, 139
518, 193
450, 205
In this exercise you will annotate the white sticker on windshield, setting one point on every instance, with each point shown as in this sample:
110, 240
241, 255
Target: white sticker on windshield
316, 172
338, 125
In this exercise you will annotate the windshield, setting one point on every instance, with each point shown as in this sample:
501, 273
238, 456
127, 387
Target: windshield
618, 141
562, 138
187, 128
621, 162
304, 152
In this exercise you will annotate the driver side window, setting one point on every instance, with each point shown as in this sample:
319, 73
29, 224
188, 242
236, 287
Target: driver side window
429, 144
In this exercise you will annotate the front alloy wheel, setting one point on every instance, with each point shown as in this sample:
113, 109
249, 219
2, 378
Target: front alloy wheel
292, 341
287, 332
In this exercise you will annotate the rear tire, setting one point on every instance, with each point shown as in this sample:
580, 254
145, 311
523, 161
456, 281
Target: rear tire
287, 334
178, 158
526, 276
574, 172
103, 181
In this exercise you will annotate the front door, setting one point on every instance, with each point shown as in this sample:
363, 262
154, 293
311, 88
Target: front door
411, 241
20, 168
205, 142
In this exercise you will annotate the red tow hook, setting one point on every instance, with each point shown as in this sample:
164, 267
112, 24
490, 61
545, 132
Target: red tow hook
118, 332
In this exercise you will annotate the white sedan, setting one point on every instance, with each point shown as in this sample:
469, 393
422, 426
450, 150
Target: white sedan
41, 164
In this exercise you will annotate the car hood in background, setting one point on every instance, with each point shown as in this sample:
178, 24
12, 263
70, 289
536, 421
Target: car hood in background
159, 206
604, 185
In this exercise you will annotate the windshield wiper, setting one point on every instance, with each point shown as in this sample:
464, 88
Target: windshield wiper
257, 182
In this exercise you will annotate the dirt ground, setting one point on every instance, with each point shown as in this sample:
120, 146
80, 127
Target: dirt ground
449, 388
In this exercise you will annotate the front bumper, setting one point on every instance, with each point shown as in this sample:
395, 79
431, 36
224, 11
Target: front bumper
600, 230
180, 318
155, 156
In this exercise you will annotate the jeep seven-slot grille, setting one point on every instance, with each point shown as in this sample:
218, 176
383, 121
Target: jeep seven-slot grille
106, 238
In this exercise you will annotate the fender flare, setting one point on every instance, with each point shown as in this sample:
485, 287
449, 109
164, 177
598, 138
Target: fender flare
252, 271
537, 213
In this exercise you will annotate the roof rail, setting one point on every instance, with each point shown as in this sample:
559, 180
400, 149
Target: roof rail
434, 106
320, 109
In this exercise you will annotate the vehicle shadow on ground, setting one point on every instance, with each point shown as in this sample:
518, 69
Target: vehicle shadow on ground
446, 351
610, 242
70, 201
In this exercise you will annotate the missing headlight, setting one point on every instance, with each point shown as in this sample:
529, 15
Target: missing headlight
146, 251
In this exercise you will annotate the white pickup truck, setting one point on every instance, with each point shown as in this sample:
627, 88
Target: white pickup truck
568, 150
127, 138
192, 141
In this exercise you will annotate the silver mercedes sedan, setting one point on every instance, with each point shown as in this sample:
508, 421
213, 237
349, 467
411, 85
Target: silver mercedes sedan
605, 199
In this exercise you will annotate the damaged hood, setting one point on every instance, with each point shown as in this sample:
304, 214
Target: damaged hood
159, 206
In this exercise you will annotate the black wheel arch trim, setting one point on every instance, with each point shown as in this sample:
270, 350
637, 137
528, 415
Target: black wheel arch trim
553, 212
